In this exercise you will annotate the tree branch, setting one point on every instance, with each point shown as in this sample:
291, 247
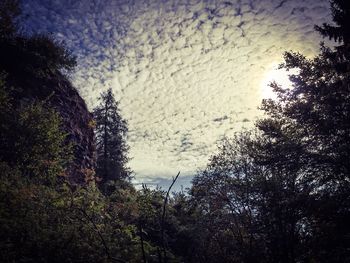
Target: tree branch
164, 212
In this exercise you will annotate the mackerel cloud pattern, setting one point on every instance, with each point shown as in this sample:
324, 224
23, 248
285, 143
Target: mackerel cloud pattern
186, 73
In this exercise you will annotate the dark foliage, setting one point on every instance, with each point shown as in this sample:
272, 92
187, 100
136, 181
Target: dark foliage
110, 132
280, 193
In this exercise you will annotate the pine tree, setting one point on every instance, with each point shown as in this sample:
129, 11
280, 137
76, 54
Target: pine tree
111, 130
339, 31
317, 110
298, 184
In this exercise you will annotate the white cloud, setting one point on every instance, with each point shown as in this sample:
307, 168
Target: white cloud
187, 73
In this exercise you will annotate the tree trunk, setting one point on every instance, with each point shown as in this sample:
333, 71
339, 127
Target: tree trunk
105, 141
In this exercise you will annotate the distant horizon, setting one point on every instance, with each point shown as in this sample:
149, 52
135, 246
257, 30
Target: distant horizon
183, 183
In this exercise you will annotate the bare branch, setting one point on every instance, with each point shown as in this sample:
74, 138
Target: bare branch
164, 212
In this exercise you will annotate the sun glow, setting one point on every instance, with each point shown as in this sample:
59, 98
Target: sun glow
274, 74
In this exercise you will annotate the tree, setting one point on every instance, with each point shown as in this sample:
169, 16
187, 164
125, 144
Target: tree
42, 52
318, 107
317, 110
158, 231
30, 61
44, 216
299, 180
32, 139
340, 31
111, 130
9, 10
223, 195
250, 204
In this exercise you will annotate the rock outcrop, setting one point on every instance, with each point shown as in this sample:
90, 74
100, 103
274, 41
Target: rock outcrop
57, 92
34, 68
78, 123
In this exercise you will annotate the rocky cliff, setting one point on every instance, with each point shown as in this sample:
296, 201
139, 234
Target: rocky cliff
34, 66
77, 122
58, 93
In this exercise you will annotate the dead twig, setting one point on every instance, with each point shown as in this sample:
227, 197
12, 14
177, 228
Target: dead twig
163, 215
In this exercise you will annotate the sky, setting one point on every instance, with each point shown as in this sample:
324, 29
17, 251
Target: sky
186, 73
